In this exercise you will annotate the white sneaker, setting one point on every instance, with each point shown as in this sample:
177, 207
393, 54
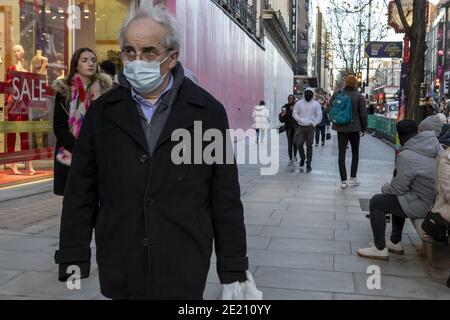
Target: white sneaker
354, 182
344, 185
373, 253
290, 163
295, 159
395, 248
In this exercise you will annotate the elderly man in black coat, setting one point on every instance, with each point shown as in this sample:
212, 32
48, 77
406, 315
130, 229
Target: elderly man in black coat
154, 220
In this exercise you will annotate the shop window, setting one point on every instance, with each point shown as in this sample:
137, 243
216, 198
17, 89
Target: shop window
37, 39
33, 53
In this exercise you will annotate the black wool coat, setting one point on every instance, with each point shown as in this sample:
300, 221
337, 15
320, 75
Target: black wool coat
154, 221
288, 119
64, 138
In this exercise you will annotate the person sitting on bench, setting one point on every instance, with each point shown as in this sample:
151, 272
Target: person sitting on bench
410, 194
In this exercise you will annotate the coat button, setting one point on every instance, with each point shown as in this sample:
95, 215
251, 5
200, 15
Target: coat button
149, 201
145, 242
144, 158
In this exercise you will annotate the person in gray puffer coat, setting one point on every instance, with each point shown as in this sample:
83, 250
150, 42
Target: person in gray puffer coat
410, 193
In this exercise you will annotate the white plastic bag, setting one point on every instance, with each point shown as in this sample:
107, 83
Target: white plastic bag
242, 290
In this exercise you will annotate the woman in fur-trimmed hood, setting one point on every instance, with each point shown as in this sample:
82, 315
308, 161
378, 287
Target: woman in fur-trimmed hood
74, 96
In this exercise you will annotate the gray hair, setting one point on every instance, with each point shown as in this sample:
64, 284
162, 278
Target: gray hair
161, 15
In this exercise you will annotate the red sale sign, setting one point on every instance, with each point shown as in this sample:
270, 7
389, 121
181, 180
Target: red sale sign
27, 90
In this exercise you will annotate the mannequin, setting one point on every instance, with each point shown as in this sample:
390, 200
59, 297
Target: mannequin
39, 63
18, 52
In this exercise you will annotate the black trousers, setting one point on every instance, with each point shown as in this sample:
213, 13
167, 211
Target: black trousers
380, 205
320, 130
290, 133
305, 134
343, 139
260, 134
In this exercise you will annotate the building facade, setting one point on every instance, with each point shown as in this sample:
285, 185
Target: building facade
244, 55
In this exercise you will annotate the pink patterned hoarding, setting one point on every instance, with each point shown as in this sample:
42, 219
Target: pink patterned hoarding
227, 62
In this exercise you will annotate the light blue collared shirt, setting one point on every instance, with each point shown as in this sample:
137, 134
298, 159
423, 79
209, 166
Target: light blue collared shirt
147, 107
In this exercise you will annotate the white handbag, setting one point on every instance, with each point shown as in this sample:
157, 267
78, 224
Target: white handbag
242, 290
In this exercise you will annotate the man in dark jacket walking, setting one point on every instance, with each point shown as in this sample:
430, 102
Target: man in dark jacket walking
154, 220
351, 132
291, 125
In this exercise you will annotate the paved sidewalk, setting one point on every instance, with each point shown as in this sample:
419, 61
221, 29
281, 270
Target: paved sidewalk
303, 232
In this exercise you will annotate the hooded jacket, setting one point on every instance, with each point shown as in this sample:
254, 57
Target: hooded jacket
260, 118
307, 113
414, 184
433, 123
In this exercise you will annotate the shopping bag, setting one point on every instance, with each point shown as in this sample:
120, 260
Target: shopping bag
242, 290
328, 134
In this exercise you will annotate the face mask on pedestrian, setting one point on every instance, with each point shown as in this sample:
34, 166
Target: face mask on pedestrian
308, 95
145, 77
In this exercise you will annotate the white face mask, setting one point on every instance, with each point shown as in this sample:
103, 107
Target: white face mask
144, 77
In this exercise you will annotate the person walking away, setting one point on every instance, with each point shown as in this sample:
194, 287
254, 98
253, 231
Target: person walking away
308, 114
260, 120
291, 125
74, 95
410, 193
321, 127
351, 130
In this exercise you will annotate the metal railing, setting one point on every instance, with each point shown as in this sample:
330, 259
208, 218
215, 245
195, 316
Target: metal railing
279, 16
285, 29
244, 13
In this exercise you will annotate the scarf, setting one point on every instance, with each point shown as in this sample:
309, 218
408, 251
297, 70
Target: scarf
80, 101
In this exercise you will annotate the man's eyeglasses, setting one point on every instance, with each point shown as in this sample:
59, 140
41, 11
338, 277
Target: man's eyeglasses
147, 55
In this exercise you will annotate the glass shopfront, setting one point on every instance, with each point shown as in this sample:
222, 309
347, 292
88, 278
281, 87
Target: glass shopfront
37, 39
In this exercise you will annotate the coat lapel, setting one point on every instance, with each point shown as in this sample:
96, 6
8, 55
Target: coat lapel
123, 112
184, 111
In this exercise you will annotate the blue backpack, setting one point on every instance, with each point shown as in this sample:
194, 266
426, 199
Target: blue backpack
341, 110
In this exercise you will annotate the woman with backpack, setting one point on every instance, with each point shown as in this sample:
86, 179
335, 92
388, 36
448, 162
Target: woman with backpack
348, 114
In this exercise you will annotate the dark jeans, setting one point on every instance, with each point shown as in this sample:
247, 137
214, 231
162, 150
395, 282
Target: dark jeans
343, 139
260, 133
290, 133
380, 205
305, 134
320, 130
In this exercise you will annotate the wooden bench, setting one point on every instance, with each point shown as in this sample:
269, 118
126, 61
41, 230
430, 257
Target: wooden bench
427, 241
